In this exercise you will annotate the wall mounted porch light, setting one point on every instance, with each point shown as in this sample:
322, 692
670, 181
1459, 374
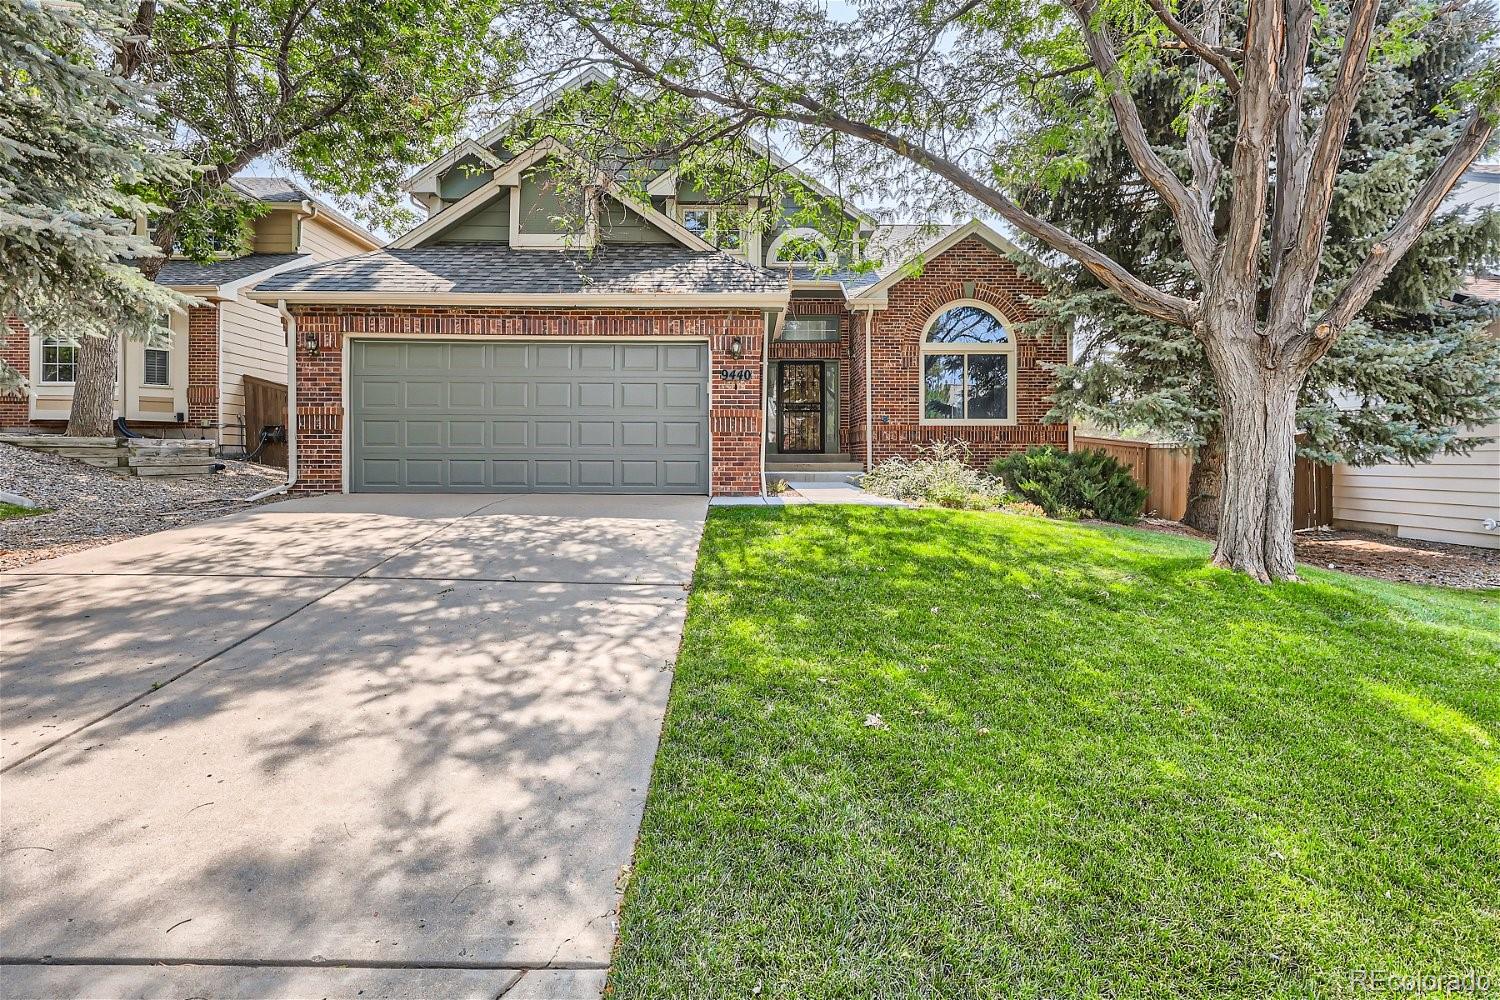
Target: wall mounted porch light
736, 348
310, 341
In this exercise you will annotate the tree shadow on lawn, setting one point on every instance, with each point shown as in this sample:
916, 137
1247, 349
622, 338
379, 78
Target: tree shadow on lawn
1098, 766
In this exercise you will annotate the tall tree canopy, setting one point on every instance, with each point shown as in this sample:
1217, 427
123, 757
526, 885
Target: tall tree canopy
952, 86
350, 94
1415, 374
75, 140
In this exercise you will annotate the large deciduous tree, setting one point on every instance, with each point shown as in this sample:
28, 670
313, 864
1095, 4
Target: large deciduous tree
1418, 372
349, 94
75, 139
950, 85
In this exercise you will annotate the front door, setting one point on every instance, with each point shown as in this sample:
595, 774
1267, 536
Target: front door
800, 410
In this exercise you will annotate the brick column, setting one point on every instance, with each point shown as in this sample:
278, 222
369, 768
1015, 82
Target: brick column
15, 348
203, 366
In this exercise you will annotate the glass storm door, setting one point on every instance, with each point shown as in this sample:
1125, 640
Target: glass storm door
800, 406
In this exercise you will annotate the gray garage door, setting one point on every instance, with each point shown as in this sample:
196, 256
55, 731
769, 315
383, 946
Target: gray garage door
523, 416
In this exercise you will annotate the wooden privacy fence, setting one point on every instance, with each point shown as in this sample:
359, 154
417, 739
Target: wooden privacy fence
265, 405
1164, 470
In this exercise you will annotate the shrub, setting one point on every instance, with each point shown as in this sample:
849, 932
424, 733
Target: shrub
1072, 484
941, 475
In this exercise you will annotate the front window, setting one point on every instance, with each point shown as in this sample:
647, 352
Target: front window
967, 367
720, 225
810, 328
158, 367
59, 362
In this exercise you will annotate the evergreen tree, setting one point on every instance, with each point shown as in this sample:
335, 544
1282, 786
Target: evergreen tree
75, 139
350, 94
1410, 379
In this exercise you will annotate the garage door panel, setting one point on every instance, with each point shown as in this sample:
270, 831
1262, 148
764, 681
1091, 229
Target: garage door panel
530, 416
425, 434
433, 356
511, 434
555, 356
596, 434
510, 395
466, 434
466, 395
597, 357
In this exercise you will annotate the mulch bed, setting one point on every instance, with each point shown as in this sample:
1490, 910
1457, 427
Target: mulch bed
90, 506
1400, 560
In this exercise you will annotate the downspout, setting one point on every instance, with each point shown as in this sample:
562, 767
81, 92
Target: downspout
869, 395
290, 323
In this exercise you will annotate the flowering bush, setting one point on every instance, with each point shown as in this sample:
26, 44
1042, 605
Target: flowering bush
940, 475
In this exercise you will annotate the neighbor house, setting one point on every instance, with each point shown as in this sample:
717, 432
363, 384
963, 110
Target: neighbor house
1451, 498
195, 386
498, 346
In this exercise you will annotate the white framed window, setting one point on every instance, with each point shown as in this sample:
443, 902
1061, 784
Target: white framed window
59, 362
968, 370
803, 246
718, 224
809, 328
157, 369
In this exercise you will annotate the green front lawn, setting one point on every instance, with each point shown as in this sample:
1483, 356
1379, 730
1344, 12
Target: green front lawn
964, 755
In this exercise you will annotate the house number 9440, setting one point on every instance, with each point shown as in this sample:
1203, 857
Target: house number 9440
736, 374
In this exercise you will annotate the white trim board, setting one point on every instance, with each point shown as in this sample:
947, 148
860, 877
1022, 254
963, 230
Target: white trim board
509, 177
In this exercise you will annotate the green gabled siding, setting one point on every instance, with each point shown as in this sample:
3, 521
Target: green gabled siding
467, 175
622, 224
488, 224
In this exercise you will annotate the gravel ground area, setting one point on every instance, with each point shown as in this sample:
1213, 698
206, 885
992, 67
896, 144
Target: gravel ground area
93, 507
1400, 560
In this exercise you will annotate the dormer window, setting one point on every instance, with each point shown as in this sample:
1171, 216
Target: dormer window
718, 224
800, 247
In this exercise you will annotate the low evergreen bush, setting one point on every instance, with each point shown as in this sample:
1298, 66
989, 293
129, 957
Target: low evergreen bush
1073, 484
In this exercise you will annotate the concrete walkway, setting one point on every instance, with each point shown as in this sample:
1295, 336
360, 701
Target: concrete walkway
812, 493
367, 746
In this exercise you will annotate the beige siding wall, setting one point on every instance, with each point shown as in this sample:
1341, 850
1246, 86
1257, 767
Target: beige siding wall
276, 232
1445, 500
325, 242
251, 343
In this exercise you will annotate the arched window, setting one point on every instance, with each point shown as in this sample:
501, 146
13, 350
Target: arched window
800, 246
968, 367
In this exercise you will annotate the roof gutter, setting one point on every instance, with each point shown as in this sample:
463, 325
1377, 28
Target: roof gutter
583, 300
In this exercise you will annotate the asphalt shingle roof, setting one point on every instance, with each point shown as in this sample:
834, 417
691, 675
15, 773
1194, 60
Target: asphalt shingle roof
282, 190
497, 269
183, 273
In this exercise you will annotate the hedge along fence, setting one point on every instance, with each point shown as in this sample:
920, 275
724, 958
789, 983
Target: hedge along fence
1164, 470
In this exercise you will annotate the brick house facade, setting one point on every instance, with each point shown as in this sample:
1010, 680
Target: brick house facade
973, 270
969, 267
734, 413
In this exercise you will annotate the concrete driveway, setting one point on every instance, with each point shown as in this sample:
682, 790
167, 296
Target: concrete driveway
378, 746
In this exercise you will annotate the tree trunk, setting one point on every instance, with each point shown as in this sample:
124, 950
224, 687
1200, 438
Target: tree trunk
94, 383
1206, 485
1259, 442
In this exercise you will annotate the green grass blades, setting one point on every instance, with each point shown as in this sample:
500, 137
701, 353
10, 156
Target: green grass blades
933, 754
10, 510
